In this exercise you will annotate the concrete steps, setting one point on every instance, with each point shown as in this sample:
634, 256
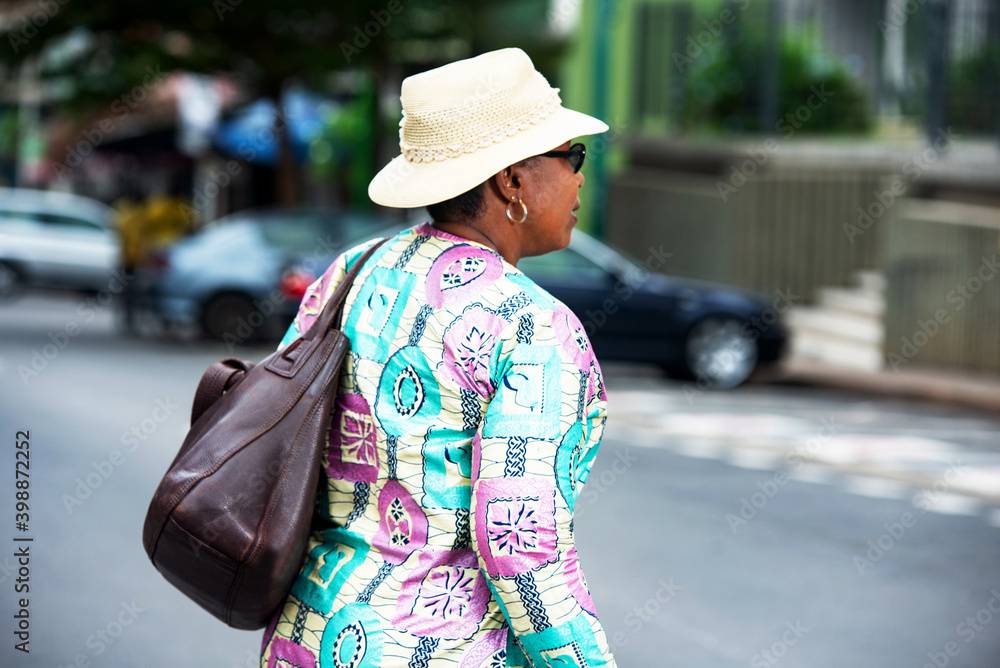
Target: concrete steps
845, 328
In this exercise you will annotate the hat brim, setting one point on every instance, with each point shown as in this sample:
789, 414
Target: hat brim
407, 185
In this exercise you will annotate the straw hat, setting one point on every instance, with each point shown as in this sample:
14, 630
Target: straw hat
466, 121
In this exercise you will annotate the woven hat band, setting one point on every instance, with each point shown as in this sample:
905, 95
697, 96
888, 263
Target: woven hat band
481, 120
466, 121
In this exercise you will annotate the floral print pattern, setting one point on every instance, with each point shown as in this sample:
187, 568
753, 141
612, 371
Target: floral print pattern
515, 524
352, 453
402, 525
469, 345
445, 597
512, 526
459, 440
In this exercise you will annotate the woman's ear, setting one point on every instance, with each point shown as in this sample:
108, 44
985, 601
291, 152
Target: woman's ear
508, 182
514, 179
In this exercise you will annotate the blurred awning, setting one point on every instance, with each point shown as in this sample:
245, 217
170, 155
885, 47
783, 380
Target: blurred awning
251, 132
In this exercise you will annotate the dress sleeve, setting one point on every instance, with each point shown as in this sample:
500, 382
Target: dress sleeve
532, 453
317, 294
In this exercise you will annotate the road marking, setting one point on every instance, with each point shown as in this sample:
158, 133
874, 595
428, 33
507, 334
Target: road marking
877, 488
700, 448
642, 438
950, 504
887, 449
734, 426
983, 480
763, 442
749, 459
814, 473
686, 632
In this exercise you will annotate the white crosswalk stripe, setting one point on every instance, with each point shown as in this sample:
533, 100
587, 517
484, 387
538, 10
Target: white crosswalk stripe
864, 457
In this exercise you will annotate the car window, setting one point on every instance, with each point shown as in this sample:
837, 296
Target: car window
295, 234
306, 233
357, 229
562, 265
56, 220
11, 216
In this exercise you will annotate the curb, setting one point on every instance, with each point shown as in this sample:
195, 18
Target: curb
979, 392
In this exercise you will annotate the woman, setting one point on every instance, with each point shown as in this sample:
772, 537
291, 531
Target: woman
470, 407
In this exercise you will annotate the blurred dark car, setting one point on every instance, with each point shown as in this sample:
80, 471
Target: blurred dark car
241, 277
55, 240
710, 332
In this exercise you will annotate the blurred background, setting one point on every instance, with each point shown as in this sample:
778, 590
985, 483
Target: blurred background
787, 260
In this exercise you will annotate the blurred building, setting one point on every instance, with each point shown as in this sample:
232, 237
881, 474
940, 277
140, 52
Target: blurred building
846, 151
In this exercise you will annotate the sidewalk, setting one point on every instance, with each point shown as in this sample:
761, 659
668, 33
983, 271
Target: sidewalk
980, 391
942, 461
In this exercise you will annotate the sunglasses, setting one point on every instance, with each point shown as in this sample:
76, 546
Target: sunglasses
575, 155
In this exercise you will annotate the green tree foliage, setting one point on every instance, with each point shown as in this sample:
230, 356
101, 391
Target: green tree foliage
972, 98
95, 51
724, 87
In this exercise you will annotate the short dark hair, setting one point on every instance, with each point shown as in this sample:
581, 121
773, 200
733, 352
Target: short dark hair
468, 205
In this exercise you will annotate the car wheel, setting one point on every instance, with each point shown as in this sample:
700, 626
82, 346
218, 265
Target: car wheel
718, 354
228, 317
11, 282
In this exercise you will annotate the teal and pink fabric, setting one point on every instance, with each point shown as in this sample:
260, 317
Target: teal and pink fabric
467, 418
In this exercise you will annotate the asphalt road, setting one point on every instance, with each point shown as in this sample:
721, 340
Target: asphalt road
683, 574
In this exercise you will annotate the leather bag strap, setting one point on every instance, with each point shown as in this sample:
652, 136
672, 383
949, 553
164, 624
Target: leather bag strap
215, 381
331, 312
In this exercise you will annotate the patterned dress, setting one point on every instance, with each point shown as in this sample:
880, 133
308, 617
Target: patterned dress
467, 418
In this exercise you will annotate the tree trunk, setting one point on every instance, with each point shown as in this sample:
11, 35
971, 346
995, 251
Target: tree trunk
286, 171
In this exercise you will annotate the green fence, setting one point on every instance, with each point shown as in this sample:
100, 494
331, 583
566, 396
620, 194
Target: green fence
782, 230
740, 66
943, 292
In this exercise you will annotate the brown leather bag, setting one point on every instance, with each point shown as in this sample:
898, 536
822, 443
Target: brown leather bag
229, 523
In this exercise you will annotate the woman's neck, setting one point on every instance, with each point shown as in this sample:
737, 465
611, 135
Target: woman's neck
465, 231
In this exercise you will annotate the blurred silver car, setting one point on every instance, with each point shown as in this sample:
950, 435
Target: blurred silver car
55, 240
241, 277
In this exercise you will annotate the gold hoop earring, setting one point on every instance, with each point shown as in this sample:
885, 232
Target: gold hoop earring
524, 208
